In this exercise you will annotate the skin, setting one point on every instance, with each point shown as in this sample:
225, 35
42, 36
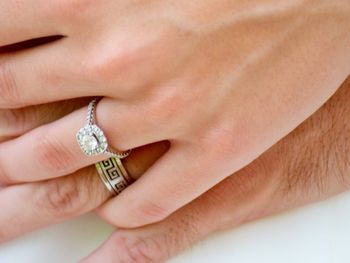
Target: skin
169, 71
155, 77
310, 164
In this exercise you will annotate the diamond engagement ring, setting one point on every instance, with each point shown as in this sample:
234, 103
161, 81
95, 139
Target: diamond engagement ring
91, 138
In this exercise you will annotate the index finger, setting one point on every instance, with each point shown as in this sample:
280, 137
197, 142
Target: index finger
25, 19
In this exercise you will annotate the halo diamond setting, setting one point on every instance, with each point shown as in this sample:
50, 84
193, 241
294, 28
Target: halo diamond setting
92, 140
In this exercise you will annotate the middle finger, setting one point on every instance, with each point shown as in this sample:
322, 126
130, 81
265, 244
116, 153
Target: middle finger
25, 19
47, 73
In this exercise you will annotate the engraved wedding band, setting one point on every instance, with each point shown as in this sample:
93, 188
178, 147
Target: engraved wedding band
114, 175
91, 138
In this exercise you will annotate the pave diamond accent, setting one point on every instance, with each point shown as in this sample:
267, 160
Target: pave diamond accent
92, 140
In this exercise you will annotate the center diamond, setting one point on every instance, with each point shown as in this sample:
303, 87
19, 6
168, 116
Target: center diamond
92, 140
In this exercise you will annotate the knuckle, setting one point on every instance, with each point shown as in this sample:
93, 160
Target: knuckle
62, 198
137, 249
72, 5
10, 95
12, 122
148, 212
67, 9
168, 105
53, 154
229, 142
127, 61
105, 67
5, 178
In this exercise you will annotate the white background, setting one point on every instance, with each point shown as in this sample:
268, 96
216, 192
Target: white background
318, 233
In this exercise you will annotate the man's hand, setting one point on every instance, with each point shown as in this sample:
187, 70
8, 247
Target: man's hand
310, 164
221, 80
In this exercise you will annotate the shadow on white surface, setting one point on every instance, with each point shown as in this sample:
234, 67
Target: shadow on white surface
62, 243
318, 233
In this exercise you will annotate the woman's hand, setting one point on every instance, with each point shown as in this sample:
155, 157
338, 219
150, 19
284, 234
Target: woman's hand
310, 164
223, 81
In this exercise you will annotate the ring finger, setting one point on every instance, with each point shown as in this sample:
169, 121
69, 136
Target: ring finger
51, 150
